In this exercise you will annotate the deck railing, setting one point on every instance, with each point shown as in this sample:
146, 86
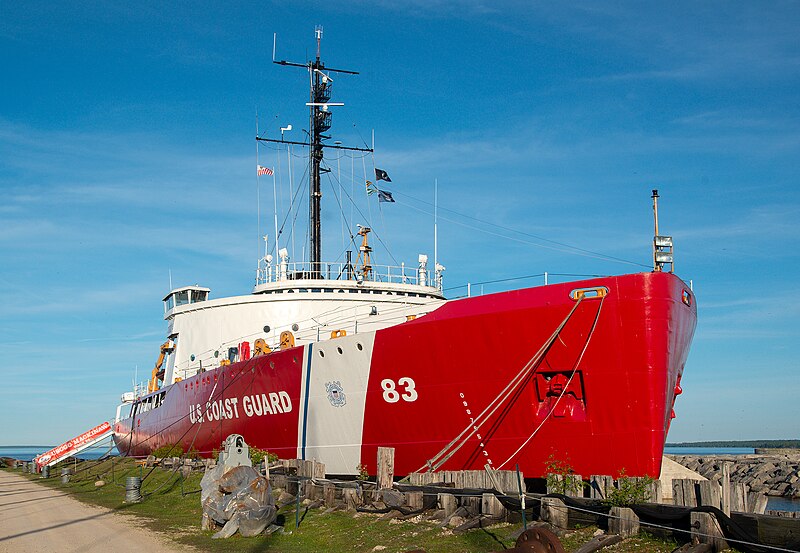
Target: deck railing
401, 274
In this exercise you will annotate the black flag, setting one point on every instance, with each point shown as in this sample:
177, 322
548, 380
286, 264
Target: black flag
380, 174
384, 196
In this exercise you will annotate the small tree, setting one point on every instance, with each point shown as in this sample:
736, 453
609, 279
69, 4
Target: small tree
257, 455
561, 477
168, 450
630, 491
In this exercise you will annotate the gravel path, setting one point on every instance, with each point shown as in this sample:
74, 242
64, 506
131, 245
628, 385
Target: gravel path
38, 518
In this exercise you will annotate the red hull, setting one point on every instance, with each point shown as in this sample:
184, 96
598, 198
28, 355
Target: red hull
620, 358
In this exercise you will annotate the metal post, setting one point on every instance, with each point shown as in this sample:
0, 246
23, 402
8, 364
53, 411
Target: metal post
315, 194
521, 499
655, 222
297, 506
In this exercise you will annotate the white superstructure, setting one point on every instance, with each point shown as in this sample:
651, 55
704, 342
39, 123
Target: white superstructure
205, 333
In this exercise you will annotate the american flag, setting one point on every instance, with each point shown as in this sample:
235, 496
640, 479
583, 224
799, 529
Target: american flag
263, 171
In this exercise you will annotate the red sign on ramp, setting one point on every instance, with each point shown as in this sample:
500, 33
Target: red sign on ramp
75, 445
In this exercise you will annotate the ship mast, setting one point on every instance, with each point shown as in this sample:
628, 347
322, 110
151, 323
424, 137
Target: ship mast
319, 123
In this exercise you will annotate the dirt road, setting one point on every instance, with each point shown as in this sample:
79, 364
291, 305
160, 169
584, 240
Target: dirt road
37, 518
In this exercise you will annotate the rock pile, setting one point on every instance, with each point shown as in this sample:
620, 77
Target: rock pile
775, 475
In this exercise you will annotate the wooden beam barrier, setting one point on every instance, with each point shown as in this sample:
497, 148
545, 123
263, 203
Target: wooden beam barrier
739, 497
623, 521
570, 484
600, 486
725, 499
385, 467
503, 480
555, 512
710, 493
491, 506
414, 500
448, 502
351, 498
329, 494
706, 529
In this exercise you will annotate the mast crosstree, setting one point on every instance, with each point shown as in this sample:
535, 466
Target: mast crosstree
319, 123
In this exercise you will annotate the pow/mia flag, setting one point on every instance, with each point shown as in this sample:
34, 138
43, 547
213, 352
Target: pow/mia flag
380, 174
385, 196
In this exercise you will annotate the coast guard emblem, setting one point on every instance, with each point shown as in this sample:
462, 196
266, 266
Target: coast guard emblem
336, 393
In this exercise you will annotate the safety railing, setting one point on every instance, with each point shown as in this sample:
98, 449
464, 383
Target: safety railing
343, 271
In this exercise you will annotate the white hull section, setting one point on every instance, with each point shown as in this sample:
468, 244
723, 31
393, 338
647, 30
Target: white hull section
334, 392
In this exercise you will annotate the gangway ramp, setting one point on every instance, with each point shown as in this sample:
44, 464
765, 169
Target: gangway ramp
75, 445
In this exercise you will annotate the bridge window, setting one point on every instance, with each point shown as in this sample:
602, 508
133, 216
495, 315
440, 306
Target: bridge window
181, 298
199, 295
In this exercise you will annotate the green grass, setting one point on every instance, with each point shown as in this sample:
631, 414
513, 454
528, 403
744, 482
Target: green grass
171, 507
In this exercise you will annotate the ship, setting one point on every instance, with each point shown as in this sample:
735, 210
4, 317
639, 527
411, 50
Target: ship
330, 361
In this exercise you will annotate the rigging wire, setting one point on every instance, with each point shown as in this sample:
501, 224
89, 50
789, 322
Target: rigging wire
566, 386
377, 236
450, 449
569, 248
516, 234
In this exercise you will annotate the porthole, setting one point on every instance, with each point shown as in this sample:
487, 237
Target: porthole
272, 364
359, 346
321, 353
339, 350
295, 327
266, 328
216, 353
192, 357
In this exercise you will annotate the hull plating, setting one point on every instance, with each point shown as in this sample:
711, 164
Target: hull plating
600, 397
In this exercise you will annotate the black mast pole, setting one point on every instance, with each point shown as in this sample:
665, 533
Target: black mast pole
319, 95
320, 122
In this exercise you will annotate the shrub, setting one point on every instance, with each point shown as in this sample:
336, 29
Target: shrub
168, 450
257, 455
560, 477
630, 491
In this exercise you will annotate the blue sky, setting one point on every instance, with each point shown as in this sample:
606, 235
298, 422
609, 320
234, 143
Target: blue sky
127, 153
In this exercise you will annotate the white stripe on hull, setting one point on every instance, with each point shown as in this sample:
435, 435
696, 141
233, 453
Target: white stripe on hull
333, 398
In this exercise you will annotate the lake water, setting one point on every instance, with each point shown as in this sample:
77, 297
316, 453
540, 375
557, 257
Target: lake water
783, 504
709, 450
28, 452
